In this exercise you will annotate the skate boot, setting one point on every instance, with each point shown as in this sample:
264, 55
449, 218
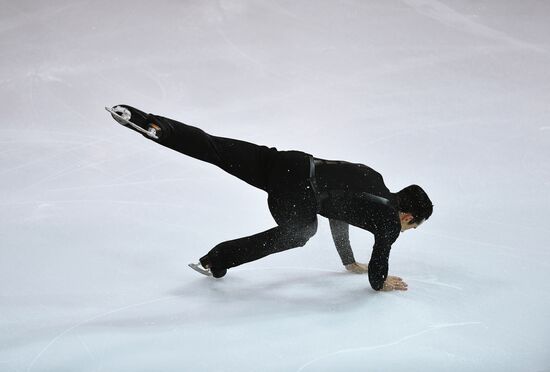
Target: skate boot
135, 119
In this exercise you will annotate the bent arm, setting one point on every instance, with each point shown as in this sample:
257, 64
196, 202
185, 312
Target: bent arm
340, 236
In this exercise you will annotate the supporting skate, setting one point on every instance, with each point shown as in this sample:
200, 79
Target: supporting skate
123, 115
198, 268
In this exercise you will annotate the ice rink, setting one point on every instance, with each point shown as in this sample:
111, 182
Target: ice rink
97, 224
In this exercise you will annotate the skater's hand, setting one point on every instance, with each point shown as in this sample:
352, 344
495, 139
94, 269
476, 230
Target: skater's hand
357, 268
394, 283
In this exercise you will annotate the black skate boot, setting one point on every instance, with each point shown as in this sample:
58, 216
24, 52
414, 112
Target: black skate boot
135, 119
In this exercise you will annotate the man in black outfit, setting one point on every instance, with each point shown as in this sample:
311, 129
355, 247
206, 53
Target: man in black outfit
299, 187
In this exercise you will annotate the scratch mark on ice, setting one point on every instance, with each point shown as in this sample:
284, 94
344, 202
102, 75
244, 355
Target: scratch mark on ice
431, 328
435, 282
54, 340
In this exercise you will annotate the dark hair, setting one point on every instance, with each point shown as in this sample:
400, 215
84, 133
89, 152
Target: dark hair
414, 200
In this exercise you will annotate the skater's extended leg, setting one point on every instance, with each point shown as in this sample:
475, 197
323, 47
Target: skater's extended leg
244, 160
247, 161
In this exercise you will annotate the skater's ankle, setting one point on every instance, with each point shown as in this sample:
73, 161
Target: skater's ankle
155, 130
205, 262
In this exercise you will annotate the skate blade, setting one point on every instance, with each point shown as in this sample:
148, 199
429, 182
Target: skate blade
123, 121
198, 268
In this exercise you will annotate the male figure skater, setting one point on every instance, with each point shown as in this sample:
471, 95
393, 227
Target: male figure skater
299, 186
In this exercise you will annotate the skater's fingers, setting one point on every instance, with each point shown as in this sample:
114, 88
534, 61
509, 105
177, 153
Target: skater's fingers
394, 278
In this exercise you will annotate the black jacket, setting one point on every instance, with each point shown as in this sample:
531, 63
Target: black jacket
354, 194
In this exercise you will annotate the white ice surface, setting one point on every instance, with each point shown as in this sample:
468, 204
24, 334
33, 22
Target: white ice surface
97, 224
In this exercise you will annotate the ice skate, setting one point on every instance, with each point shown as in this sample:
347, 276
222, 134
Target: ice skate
205, 268
198, 268
134, 119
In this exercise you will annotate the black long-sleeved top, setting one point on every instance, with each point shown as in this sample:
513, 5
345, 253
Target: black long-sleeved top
348, 190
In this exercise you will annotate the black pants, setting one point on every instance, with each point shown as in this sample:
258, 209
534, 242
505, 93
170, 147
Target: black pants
284, 175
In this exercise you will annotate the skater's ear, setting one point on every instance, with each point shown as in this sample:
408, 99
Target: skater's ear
406, 217
407, 221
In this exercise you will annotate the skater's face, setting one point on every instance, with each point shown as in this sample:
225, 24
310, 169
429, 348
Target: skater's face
406, 219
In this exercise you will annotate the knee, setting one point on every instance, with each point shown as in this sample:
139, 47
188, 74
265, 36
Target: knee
300, 235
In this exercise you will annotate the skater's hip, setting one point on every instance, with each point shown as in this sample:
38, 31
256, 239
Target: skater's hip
290, 171
293, 176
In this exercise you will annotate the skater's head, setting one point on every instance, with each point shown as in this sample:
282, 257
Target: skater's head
415, 207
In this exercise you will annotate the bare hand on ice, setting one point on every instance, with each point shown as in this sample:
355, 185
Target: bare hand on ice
394, 283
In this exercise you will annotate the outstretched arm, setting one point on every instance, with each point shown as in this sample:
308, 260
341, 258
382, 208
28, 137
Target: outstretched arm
340, 236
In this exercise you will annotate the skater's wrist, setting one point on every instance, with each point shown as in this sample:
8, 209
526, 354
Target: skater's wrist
357, 268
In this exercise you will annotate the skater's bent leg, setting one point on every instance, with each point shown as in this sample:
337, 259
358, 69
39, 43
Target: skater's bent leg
239, 251
296, 216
